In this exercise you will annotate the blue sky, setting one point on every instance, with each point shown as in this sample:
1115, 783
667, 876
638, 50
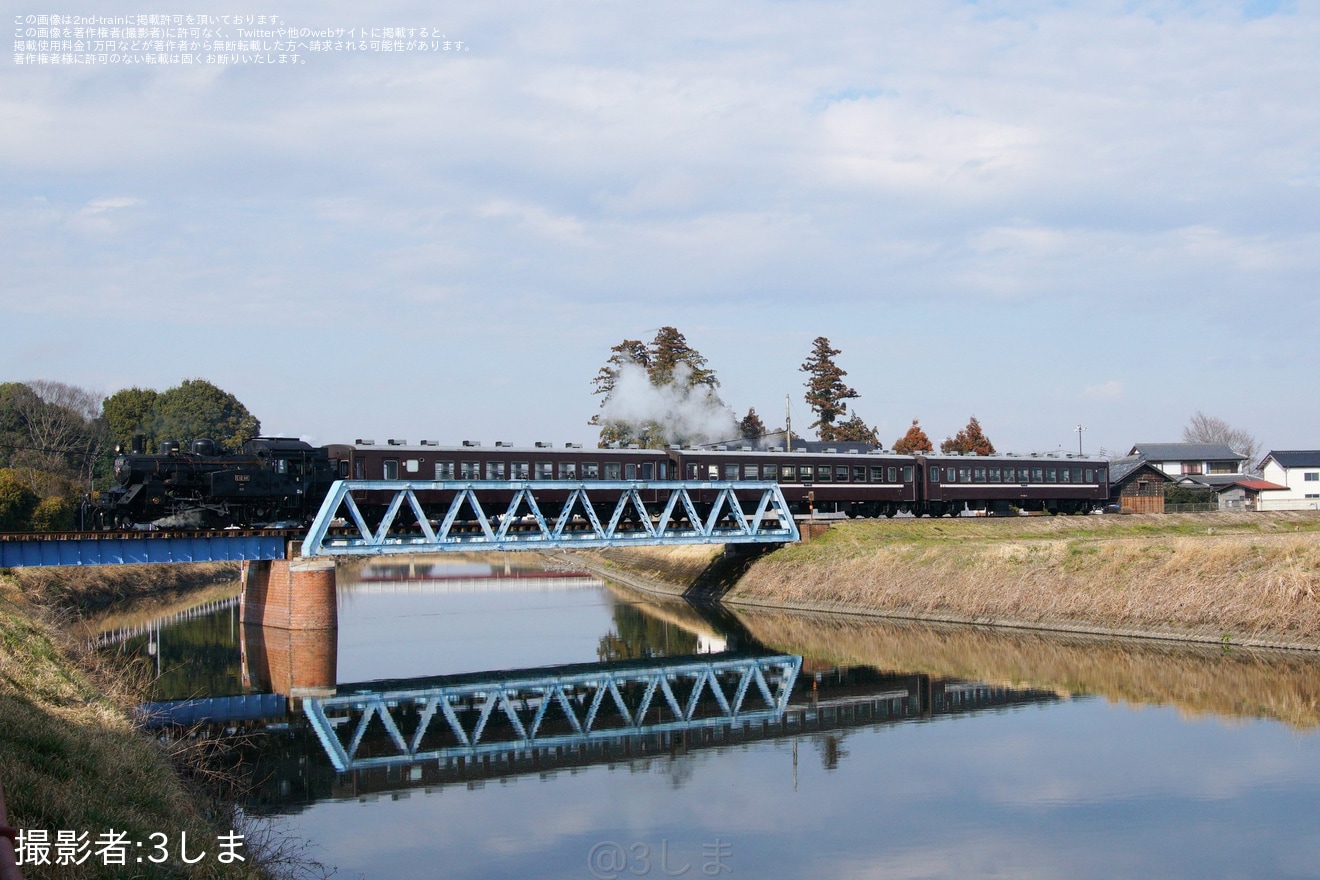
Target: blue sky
1044, 214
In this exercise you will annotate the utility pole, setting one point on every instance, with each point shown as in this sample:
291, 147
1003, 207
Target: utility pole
788, 423
1079, 429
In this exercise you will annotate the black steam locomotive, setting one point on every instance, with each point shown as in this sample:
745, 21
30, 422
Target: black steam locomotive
282, 481
272, 481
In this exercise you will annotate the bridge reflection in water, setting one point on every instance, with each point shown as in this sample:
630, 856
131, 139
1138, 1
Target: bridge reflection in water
546, 709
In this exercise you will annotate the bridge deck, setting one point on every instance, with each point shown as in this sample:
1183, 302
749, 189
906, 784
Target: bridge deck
123, 548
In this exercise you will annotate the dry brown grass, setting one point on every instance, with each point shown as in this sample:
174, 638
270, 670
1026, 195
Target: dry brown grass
1240, 577
1198, 679
86, 587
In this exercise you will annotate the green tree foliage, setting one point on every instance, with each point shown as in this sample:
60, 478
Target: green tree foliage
196, 408
670, 351
659, 393
131, 411
54, 513
854, 430
17, 502
827, 395
915, 440
971, 440
751, 427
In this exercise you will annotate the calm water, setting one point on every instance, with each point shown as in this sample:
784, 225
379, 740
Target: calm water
923, 753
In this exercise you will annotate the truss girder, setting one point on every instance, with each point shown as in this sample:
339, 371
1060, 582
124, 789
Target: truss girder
438, 723
476, 517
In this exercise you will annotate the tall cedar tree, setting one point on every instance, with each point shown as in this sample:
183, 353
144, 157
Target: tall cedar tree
826, 392
971, 440
855, 431
915, 440
751, 427
661, 360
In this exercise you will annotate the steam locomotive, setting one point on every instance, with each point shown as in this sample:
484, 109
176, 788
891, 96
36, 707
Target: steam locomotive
282, 481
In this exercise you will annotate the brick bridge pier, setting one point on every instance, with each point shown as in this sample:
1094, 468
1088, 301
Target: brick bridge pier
290, 617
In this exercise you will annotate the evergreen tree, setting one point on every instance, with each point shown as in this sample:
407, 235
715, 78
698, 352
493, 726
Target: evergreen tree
670, 350
131, 411
670, 395
854, 430
196, 408
971, 440
915, 440
751, 427
826, 392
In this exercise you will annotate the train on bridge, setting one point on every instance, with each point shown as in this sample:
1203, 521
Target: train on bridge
282, 481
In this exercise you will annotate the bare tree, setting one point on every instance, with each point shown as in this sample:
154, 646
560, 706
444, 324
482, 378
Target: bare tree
63, 426
1202, 428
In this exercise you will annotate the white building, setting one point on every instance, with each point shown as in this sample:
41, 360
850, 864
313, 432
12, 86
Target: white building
1299, 470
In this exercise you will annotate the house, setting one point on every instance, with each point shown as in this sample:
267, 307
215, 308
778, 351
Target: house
1245, 494
1191, 459
1298, 472
1137, 485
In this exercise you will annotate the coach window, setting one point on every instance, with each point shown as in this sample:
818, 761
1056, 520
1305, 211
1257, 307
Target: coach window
343, 469
822, 473
1090, 475
859, 474
1051, 476
1064, 476
1037, 475
750, 471
494, 470
978, 475
591, 470
712, 472
1077, 475
469, 470
612, 471
359, 468
630, 471
730, 472
545, 470
390, 469
994, 475
768, 471
648, 470
893, 475
444, 470
934, 474
964, 475
786, 473
907, 473
568, 470
522, 470
1100, 475
804, 473
877, 474
840, 473
411, 465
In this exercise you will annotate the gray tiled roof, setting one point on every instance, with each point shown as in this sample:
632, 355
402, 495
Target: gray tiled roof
1186, 452
1120, 468
1295, 458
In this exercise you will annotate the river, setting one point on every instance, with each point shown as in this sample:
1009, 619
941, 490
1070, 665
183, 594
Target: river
900, 750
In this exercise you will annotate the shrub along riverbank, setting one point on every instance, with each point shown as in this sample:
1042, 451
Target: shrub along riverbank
71, 760
1241, 578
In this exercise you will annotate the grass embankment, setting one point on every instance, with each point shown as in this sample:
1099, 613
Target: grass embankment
71, 760
1198, 679
1241, 578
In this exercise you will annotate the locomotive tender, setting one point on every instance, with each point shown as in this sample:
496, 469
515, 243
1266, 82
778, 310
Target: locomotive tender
278, 480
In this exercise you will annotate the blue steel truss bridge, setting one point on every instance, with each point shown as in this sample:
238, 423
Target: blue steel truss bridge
363, 517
